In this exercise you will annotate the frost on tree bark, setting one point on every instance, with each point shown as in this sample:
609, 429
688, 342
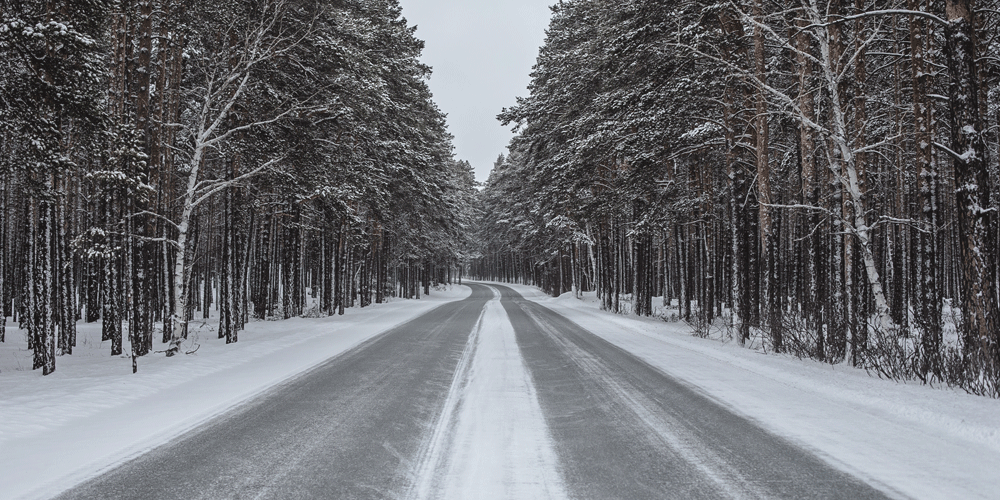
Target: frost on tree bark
743, 241
64, 269
339, 272
4, 243
44, 288
972, 189
231, 269
771, 312
928, 310
143, 252
226, 272
811, 186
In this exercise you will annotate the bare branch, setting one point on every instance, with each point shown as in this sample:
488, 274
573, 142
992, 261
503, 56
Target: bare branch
234, 130
915, 224
156, 215
886, 12
157, 240
812, 208
877, 145
225, 184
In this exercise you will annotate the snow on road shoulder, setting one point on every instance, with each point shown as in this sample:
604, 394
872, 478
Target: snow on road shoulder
492, 440
92, 413
910, 439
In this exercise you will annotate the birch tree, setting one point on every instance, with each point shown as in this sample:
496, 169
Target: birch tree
225, 78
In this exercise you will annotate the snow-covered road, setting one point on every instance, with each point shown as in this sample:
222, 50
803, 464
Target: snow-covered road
491, 440
498, 396
624, 429
910, 440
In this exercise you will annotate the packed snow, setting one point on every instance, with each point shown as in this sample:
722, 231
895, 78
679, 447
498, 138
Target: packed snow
491, 440
93, 413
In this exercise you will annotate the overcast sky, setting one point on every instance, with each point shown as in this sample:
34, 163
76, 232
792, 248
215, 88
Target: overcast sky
482, 52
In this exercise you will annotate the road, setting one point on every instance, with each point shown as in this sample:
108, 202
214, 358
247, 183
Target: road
493, 396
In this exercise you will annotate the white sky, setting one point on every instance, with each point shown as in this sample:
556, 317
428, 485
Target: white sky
482, 52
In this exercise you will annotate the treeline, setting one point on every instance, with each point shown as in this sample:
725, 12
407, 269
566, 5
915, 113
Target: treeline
161, 158
819, 177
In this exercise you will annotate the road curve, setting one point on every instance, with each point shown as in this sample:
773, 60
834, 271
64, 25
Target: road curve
391, 419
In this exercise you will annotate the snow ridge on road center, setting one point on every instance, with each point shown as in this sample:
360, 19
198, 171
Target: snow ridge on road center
491, 440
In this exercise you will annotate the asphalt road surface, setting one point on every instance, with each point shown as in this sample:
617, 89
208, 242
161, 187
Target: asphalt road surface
493, 396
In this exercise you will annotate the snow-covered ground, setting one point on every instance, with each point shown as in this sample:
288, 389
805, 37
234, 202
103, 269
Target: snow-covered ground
93, 413
912, 440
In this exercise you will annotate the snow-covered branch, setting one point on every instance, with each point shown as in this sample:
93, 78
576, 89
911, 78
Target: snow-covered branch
955, 156
883, 13
215, 186
154, 215
794, 206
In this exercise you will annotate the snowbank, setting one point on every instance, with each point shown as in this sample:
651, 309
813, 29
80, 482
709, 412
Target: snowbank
910, 439
93, 413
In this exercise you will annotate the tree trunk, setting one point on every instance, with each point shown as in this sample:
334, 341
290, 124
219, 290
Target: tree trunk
928, 310
768, 289
4, 244
979, 305
180, 274
811, 186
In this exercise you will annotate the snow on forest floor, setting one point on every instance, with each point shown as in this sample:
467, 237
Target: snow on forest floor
909, 439
93, 413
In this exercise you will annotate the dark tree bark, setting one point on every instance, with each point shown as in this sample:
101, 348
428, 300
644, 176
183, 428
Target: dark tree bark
928, 310
968, 148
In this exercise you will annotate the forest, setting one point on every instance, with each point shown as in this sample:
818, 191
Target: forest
161, 159
803, 177
817, 178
